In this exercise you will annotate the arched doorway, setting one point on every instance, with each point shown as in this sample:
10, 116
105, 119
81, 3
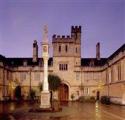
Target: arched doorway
17, 92
63, 92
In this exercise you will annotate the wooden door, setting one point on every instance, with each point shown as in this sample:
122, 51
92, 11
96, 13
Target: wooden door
63, 92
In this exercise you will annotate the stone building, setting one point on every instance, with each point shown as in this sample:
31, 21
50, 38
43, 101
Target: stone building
80, 76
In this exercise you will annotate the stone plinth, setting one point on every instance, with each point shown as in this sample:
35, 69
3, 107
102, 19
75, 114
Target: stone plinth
45, 99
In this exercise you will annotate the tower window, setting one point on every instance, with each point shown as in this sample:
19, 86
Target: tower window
77, 76
60, 66
76, 50
63, 67
66, 48
59, 48
66, 66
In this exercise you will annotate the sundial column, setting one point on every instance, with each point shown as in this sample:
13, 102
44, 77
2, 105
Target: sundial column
45, 94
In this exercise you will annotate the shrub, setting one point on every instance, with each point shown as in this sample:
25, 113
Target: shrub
92, 99
105, 100
40, 86
81, 99
54, 82
86, 99
72, 96
32, 94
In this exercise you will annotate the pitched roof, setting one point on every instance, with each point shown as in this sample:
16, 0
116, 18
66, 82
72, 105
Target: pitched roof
20, 61
93, 62
2, 57
121, 49
84, 61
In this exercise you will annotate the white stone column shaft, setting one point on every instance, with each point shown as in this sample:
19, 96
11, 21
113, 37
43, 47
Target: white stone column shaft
45, 82
45, 94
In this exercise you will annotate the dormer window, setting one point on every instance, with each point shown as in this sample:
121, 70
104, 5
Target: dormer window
91, 64
40, 63
12, 63
24, 63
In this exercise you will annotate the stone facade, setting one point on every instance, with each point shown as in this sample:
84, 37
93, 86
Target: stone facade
114, 85
82, 76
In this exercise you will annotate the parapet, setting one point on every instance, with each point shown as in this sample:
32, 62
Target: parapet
76, 29
61, 37
67, 38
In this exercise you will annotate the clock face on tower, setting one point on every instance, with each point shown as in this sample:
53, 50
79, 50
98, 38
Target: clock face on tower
44, 48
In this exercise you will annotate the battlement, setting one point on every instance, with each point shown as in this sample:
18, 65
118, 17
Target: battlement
76, 29
61, 36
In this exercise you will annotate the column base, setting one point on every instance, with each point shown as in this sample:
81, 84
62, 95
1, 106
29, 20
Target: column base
45, 100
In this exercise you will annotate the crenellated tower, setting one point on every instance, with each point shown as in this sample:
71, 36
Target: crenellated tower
76, 36
76, 33
67, 48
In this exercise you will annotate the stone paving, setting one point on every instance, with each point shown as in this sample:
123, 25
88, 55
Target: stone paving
74, 111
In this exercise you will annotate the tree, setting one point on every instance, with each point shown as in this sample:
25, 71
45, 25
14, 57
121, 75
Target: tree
32, 94
54, 82
40, 86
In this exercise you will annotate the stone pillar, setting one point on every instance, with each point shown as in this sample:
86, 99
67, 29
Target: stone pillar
45, 94
45, 82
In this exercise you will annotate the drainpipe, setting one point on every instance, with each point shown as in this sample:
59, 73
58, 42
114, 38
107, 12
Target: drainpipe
108, 78
81, 82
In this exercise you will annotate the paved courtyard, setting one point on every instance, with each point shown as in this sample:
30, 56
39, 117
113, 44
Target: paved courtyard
70, 111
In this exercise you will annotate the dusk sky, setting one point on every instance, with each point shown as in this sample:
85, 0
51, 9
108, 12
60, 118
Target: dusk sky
22, 21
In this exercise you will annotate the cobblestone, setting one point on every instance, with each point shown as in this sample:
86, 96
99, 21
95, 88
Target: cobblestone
73, 111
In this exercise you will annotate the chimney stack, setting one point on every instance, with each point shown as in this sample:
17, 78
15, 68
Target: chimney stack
35, 51
98, 51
